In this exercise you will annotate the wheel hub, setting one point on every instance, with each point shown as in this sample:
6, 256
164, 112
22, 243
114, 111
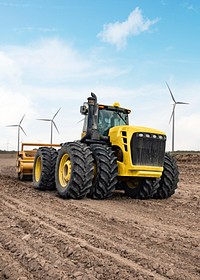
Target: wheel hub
38, 167
65, 170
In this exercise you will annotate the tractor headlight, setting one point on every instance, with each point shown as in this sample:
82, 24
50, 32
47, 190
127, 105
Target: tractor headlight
141, 135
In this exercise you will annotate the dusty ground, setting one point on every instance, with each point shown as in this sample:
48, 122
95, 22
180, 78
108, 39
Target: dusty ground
45, 237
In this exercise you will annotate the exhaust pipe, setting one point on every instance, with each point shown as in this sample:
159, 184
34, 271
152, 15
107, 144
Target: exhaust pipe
92, 133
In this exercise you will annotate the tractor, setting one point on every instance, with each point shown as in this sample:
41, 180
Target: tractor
111, 155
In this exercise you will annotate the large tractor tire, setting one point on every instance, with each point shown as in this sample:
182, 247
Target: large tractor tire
74, 170
142, 188
44, 168
105, 169
169, 179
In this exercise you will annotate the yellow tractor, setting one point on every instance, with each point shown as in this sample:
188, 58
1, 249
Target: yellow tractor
110, 155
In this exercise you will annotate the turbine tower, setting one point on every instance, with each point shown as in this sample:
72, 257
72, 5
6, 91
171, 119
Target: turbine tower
173, 114
52, 124
19, 128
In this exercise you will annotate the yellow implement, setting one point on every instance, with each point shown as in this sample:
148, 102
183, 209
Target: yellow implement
25, 158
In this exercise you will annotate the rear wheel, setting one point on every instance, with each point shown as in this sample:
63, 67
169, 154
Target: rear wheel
44, 168
142, 188
105, 165
169, 179
74, 170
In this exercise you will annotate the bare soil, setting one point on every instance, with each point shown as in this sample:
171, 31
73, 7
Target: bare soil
45, 237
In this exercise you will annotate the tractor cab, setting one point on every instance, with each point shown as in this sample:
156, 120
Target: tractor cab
100, 118
110, 116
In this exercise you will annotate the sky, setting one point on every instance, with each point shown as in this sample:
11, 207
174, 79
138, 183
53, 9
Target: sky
54, 53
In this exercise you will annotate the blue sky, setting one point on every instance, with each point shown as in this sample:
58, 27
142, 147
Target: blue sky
54, 53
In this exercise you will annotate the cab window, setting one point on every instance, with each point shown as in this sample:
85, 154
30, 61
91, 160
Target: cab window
110, 118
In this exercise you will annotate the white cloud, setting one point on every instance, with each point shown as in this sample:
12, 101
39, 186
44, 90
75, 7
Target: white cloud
15, 5
51, 62
9, 69
38, 79
13, 105
117, 33
47, 60
38, 29
187, 132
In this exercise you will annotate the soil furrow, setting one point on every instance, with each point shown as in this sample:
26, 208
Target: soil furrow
108, 244
45, 237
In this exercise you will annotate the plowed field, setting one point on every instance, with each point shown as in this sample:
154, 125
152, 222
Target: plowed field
45, 237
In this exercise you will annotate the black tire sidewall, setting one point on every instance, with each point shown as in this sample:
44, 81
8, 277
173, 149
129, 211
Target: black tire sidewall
47, 177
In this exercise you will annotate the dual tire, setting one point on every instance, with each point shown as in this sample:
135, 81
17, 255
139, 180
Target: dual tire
161, 188
76, 170
105, 172
168, 182
44, 168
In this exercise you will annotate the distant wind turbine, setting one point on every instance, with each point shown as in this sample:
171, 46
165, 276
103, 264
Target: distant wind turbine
19, 128
173, 114
7, 145
52, 124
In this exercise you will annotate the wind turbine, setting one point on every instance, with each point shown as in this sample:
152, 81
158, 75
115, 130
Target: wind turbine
52, 124
19, 128
7, 145
173, 114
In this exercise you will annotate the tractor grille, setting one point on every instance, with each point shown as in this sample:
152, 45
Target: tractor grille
148, 149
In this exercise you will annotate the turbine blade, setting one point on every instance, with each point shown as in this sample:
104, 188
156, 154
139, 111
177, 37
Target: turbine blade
13, 125
181, 103
47, 120
55, 127
22, 119
171, 93
56, 113
22, 129
172, 115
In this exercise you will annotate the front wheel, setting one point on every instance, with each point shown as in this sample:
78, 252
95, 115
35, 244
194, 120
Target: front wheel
169, 179
142, 188
74, 170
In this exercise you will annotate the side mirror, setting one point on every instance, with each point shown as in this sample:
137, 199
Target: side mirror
84, 109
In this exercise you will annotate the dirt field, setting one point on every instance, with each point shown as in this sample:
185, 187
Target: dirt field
45, 237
